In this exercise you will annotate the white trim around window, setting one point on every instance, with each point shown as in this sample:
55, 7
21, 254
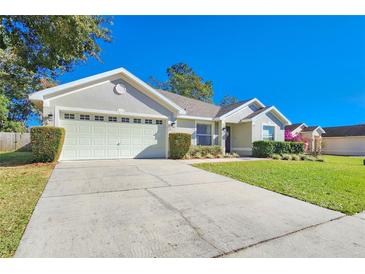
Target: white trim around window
210, 134
267, 138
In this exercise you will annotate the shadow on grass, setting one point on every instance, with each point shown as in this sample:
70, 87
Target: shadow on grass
15, 158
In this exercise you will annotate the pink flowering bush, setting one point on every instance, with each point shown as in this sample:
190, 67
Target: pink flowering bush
290, 137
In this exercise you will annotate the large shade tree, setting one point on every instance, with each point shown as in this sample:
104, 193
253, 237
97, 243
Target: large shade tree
228, 100
184, 81
35, 50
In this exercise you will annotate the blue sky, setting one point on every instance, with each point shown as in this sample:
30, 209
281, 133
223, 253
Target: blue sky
311, 67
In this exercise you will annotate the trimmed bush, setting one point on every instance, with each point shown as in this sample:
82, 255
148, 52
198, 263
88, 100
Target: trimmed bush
46, 143
203, 151
179, 144
276, 156
282, 147
296, 147
265, 149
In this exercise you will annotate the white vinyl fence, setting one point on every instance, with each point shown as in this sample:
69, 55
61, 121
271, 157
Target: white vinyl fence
10, 141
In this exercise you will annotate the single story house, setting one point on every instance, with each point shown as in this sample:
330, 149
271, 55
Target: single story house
116, 115
344, 140
311, 134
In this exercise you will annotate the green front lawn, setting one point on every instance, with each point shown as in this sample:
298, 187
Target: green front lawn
338, 183
21, 184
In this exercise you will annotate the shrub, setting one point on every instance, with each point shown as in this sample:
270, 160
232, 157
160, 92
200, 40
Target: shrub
262, 149
235, 155
296, 147
286, 157
295, 157
46, 143
303, 157
265, 149
209, 156
276, 156
215, 151
179, 144
282, 147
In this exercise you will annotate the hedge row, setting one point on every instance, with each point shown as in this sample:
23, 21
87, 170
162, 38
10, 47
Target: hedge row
180, 147
203, 151
46, 143
265, 149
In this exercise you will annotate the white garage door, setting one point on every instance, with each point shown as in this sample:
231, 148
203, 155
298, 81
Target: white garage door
107, 137
351, 145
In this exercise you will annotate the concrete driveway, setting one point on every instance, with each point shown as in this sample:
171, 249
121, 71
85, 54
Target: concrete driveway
164, 208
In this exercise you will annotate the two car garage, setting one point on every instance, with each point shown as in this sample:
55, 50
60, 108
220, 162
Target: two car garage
99, 136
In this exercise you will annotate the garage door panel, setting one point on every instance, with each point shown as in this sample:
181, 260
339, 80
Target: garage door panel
110, 140
125, 141
100, 129
85, 141
99, 141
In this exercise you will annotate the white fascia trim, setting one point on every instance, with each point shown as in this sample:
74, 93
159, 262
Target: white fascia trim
320, 129
241, 107
39, 95
300, 125
102, 111
196, 118
282, 117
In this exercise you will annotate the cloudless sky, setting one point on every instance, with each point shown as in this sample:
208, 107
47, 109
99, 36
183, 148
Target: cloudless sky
312, 68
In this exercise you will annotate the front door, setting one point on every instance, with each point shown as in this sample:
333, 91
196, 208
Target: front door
228, 139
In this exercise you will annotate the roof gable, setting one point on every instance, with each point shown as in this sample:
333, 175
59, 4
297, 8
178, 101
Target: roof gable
78, 85
255, 115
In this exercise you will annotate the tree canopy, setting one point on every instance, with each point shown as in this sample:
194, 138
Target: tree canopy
228, 100
184, 81
35, 50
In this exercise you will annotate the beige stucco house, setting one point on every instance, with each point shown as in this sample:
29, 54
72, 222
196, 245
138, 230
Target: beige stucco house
344, 140
116, 115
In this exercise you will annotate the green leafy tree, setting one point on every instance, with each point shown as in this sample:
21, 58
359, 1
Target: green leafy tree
7, 125
184, 81
228, 100
35, 50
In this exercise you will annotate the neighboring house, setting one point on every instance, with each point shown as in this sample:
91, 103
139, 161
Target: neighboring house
116, 115
345, 140
311, 134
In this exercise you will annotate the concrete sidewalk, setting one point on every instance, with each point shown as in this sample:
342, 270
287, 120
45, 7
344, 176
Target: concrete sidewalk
164, 208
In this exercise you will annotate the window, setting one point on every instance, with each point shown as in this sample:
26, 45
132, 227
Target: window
137, 121
125, 120
268, 133
99, 118
158, 122
84, 117
69, 116
148, 121
112, 119
203, 135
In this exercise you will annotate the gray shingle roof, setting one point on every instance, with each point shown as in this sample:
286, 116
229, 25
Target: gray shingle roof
228, 108
293, 126
310, 128
342, 131
195, 107
257, 112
